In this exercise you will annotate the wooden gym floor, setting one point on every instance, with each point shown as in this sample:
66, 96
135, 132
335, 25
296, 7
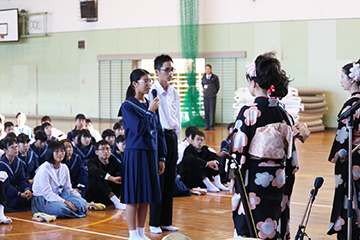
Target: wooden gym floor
198, 217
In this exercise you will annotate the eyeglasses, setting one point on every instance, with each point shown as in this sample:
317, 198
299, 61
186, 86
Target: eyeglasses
107, 149
168, 70
146, 81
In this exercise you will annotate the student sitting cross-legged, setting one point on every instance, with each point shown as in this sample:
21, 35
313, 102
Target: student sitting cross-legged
199, 164
16, 187
52, 189
104, 177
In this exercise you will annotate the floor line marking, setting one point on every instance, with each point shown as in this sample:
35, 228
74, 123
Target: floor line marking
68, 228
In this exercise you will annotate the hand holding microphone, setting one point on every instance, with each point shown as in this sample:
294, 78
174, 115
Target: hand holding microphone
155, 103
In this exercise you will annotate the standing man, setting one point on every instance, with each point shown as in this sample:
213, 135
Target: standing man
211, 86
169, 112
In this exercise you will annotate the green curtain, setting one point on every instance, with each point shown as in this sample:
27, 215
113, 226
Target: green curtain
189, 16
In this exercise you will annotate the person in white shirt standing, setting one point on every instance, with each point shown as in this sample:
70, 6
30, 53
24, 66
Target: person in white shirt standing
169, 112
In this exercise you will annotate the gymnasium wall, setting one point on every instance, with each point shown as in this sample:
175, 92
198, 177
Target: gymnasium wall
50, 75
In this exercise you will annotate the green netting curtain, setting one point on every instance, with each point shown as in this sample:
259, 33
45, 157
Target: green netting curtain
189, 16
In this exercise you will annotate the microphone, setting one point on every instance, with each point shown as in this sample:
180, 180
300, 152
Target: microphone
350, 111
317, 185
341, 155
154, 93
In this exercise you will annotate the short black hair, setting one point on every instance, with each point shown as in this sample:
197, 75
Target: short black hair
88, 120
120, 138
118, 125
101, 142
40, 135
23, 138
80, 116
190, 129
37, 128
198, 133
18, 114
11, 134
52, 146
208, 65
107, 133
8, 141
159, 61
8, 124
45, 119
45, 124
230, 125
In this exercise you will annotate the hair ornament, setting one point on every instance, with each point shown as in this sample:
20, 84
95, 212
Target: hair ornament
271, 89
355, 72
251, 69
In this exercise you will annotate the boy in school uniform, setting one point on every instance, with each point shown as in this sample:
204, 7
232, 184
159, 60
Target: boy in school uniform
39, 147
80, 122
94, 133
20, 127
199, 164
104, 177
16, 187
47, 128
8, 127
27, 156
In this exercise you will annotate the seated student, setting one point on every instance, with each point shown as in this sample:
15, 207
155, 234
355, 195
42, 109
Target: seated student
79, 125
199, 163
8, 127
52, 189
2, 130
73, 161
225, 144
3, 218
84, 147
109, 136
118, 150
55, 132
74, 140
119, 128
16, 187
94, 133
39, 146
20, 127
29, 158
104, 177
187, 141
47, 128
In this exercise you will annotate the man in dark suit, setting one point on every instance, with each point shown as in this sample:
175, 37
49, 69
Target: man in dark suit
211, 86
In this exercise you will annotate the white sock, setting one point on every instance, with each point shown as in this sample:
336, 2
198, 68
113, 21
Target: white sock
2, 216
218, 183
116, 201
141, 232
134, 235
210, 187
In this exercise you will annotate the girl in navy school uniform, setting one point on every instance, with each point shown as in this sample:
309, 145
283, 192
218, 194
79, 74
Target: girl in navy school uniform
73, 161
47, 128
84, 147
30, 159
39, 146
144, 155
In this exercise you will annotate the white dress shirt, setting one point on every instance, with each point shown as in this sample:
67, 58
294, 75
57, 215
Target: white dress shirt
169, 109
181, 150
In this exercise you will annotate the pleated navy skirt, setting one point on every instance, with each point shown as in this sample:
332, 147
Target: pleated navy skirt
140, 178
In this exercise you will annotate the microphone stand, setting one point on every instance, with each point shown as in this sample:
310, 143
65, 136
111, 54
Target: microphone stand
301, 230
349, 183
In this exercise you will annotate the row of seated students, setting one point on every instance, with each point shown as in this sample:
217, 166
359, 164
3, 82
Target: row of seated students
81, 160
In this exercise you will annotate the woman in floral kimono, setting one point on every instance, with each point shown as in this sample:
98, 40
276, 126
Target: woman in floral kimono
264, 148
350, 81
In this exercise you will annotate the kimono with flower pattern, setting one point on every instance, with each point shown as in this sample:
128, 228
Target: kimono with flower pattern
338, 220
265, 150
